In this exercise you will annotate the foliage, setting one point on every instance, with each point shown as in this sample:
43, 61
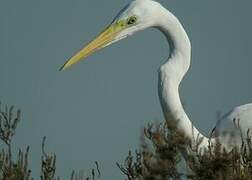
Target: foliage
96, 174
17, 168
161, 153
10, 169
160, 157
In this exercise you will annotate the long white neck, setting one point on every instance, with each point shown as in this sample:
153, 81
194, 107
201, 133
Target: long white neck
171, 74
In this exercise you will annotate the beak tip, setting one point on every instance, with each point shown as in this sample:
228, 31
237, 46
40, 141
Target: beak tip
62, 68
98, 43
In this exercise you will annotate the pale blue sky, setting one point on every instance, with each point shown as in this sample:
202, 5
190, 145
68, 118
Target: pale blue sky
95, 110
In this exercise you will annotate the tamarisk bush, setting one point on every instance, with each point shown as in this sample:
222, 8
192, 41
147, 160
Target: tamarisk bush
18, 168
159, 158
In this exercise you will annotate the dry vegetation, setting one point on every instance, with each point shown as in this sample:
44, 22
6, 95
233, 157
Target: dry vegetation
158, 158
161, 157
12, 168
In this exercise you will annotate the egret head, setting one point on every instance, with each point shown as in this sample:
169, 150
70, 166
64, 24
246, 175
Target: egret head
136, 16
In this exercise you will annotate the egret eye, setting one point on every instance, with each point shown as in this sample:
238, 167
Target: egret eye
132, 20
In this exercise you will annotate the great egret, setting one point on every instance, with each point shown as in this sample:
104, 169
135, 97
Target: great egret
141, 14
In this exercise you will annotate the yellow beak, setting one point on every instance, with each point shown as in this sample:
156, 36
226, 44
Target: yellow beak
99, 42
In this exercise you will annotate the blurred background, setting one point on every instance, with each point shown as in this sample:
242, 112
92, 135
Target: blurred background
95, 111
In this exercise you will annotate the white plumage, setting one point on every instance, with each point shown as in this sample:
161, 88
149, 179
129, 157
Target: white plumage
141, 14
228, 127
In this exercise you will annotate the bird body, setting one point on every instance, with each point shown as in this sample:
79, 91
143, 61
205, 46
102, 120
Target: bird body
232, 128
141, 14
